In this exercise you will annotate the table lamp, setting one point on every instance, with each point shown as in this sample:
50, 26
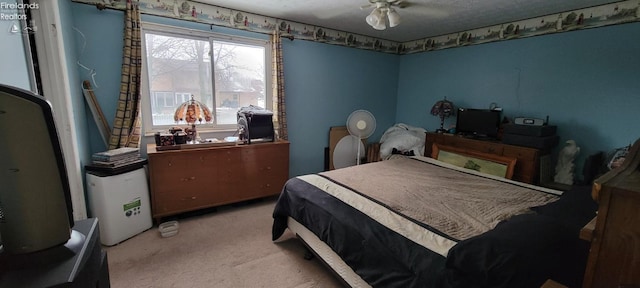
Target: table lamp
192, 111
443, 109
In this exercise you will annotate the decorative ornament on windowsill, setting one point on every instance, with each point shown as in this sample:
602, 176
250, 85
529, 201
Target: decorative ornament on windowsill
192, 111
443, 109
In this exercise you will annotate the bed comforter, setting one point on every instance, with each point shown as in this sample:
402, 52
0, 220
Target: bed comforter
416, 222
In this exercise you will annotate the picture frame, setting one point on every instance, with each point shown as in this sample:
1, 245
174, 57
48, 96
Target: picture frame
501, 166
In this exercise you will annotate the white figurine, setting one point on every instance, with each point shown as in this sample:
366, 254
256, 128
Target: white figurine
565, 166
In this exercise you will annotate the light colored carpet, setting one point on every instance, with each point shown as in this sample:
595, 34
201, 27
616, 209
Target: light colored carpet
231, 247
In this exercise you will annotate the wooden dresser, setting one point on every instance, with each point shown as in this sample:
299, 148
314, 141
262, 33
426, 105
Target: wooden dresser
614, 257
191, 179
527, 167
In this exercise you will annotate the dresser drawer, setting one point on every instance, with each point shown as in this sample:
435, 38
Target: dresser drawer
477, 146
198, 178
521, 153
177, 201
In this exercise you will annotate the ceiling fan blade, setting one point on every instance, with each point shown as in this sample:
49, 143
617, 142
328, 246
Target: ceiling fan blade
400, 3
366, 6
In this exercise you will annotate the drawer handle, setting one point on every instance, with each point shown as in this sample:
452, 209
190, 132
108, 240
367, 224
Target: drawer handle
193, 197
188, 179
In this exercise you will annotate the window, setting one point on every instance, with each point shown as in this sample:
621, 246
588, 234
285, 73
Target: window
223, 72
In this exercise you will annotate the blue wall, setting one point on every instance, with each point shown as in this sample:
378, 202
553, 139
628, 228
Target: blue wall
586, 82
98, 46
77, 98
323, 83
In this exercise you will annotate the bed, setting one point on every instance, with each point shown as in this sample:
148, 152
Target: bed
419, 222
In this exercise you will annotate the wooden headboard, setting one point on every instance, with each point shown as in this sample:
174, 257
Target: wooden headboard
497, 165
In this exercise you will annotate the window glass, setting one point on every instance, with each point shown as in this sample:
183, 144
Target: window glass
240, 79
223, 72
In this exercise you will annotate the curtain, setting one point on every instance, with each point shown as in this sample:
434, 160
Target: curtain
280, 112
126, 125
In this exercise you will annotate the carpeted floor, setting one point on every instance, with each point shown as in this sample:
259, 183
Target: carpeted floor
230, 247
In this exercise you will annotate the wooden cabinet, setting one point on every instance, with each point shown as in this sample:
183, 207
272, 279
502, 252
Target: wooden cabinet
191, 179
614, 257
527, 167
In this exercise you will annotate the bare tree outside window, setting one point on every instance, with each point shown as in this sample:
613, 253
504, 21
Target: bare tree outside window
239, 78
182, 64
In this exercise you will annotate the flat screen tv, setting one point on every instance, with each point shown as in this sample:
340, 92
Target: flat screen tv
478, 123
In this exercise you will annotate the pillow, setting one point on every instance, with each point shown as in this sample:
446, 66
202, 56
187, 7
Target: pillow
404, 138
574, 209
523, 251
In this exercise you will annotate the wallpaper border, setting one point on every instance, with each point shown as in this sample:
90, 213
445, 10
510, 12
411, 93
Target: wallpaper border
592, 17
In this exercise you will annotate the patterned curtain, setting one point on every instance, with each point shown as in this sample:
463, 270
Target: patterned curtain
126, 125
279, 109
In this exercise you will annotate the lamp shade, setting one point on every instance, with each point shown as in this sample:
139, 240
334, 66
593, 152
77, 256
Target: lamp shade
192, 111
374, 17
442, 108
394, 17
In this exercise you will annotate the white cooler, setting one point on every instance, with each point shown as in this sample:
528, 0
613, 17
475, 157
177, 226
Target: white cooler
120, 201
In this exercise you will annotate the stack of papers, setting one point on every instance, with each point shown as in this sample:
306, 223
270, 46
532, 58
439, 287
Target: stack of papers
116, 157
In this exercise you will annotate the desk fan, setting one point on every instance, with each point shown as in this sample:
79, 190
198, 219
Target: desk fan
350, 149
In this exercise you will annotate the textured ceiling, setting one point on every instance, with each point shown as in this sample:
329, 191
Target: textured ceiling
421, 19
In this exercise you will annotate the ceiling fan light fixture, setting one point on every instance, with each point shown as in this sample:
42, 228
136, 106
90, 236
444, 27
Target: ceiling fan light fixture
394, 17
378, 17
380, 25
374, 17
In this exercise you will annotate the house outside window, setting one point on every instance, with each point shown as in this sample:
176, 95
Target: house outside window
224, 72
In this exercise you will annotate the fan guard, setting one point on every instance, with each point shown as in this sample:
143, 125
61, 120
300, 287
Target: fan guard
361, 124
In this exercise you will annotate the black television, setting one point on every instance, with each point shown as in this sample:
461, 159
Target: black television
478, 123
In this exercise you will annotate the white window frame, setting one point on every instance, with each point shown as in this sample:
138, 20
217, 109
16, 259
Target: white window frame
167, 30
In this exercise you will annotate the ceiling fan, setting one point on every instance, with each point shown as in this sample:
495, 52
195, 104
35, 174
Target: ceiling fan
384, 8
385, 11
